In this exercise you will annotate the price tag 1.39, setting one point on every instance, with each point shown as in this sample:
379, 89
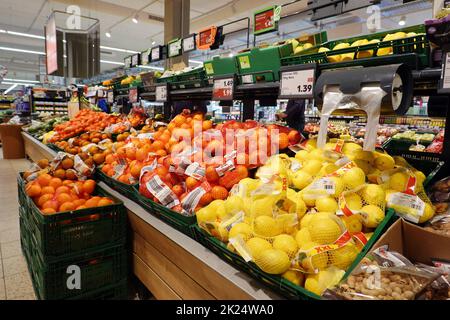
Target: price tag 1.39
223, 89
161, 94
297, 83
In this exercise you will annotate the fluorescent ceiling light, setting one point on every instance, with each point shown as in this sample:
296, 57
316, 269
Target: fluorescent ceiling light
402, 21
135, 20
153, 42
21, 50
19, 80
20, 84
118, 49
152, 68
195, 61
10, 88
112, 62
28, 35
108, 34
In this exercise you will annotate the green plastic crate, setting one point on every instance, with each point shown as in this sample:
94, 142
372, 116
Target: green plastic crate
277, 283
263, 64
70, 232
54, 147
23, 198
114, 292
25, 236
192, 79
414, 51
125, 189
174, 219
221, 66
99, 267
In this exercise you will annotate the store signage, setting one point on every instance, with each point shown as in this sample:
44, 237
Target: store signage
127, 62
157, 53
206, 38
161, 93
223, 88
297, 81
133, 95
174, 48
189, 43
145, 57
135, 60
266, 20
444, 83
51, 51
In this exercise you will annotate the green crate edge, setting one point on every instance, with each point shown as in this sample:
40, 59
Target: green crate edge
280, 285
127, 190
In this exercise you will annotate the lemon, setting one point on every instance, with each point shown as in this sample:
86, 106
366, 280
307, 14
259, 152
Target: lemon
301, 179
330, 168
218, 206
294, 276
324, 230
344, 256
367, 156
354, 178
300, 207
428, 213
316, 154
301, 155
306, 220
353, 223
261, 207
311, 144
350, 148
205, 215
400, 161
312, 166
323, 49
242, 229
353, 201
384, 162
257, 245
326, 204
266, 226
364, 166
309, 199
420, 176
288, 223
286, 243
234, 204
398, 181
273, 261
326, 279
338, 186
317, 261
302, 237
248, 185
372, 216
373, 194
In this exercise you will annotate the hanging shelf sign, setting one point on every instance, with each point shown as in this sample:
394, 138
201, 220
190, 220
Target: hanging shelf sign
189, 43
127, 62
266, 20
145, 57
174, 48
135, 60
157, 53
161, 92
297, 81
223, 88
206, 38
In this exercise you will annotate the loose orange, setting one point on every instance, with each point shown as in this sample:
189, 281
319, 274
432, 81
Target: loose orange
62, 189
67, 206
67, 163
131, 153
33, 190
99, 158
211, 174
43, 199
43, 163
44, 179
136, 170
110, 158
53, 204
79, 202
206, 125
158, 145
55, 183
48, 190
141, 154
92, 202
81, 207
48, 211
63, 198
283, 141
89, 186
105, 202
191, 183
219, 193
206, 199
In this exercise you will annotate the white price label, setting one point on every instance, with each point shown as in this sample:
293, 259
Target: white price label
247, 79
161, 93
189, 44
299, 83
223, 89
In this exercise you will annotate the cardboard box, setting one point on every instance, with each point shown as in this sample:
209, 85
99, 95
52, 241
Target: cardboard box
415, 243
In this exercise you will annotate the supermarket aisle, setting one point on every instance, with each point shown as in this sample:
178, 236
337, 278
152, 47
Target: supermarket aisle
15, 282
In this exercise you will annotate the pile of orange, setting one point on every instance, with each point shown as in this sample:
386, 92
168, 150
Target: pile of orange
53, 195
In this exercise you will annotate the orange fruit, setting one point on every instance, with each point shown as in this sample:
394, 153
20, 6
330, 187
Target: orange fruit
179, 120
67, 182
110, 158
71, 174
62, 189
89, 186
104, 202
205, 199
206, 125
92, 202
219, 193
211, 174
79, 202
242, 171
44, 179
43, 163
55, 182
99, 158
60, 173
141, 154
52, 204
283, 141
67, 163
178, 190
33, 189
67, 206
191, 183
63, 198
48, 211
106, 168
198, 117
131, 153
161, 171
158, 145
136, 170
81, 207
48, 190
43, 199
161, 153
171, 126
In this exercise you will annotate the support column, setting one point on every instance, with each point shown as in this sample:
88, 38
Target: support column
176, 25
437, 6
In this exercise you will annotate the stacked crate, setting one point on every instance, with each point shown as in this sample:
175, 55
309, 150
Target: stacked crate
75, 255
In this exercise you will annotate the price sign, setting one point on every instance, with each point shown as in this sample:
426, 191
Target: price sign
223, 88
156, 54
266, 20
174, 48
297, 82
127, 62
161, 93
145, 57
135, 59
189, 43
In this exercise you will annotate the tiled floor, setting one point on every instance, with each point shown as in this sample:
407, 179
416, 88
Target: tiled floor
15, 282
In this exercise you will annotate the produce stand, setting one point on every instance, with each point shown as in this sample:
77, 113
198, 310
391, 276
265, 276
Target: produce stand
170, 264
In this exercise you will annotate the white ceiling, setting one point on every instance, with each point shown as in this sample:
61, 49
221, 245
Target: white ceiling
30, 17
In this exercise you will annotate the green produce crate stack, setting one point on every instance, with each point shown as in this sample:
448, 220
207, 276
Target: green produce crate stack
221, 66
263, 64
89, 242
192, 79
413, 50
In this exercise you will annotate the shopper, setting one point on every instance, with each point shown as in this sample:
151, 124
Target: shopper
294, 114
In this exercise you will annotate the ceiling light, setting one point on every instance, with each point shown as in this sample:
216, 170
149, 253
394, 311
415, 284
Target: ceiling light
402, 21
19, 84
195, 61
108, 34
28, 35
231, 54
153, 42
118, 49
135, 20
21, 50
112, 62
152, 68
19, 80
10, 88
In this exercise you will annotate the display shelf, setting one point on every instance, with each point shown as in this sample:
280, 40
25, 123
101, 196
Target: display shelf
170, 264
